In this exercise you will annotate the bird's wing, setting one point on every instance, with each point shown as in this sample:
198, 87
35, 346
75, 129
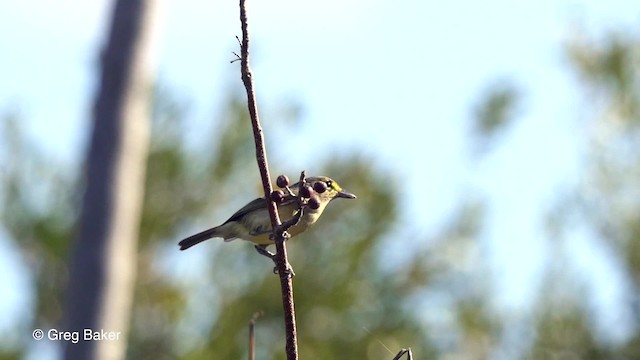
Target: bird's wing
257, 204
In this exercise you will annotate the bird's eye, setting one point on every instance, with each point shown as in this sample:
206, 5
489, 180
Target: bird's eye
329, 184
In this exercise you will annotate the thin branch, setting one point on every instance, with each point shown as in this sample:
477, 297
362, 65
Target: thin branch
282, 263
252, 335
403, 352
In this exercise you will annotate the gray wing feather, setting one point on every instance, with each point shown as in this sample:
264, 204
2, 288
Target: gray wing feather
256, 204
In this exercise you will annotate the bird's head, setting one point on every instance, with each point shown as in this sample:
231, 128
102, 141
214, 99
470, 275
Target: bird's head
323, 188
327, 188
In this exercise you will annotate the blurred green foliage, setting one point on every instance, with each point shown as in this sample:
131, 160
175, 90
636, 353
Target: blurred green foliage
497, 108
608, 202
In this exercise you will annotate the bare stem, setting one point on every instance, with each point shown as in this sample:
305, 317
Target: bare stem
282, 264
403, 352
252, 335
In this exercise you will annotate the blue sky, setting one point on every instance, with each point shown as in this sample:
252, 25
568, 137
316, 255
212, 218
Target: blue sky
394, 79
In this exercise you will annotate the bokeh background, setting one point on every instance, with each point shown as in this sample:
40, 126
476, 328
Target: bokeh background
492, 145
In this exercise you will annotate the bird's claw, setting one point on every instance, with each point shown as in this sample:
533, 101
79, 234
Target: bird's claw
289, 271
262, 250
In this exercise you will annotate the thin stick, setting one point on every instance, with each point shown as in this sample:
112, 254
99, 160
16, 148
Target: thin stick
252, 335
404, 352
282, 263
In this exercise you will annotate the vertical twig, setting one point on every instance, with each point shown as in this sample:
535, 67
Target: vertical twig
252, 339
252, 335
282, 264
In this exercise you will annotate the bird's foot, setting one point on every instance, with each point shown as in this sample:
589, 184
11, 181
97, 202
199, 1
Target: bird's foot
262, 250
289, 271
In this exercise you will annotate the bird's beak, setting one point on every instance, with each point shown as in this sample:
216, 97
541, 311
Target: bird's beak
345, 195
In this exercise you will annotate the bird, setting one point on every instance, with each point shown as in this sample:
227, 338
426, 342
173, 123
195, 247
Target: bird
253, 223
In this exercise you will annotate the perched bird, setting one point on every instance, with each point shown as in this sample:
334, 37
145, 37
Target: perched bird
252, 222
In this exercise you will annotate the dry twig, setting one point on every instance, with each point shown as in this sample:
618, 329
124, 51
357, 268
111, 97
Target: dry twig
402, 353
282, 264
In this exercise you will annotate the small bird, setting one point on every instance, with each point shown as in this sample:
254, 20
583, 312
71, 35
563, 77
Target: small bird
252, 221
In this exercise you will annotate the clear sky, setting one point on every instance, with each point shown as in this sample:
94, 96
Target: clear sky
395, 79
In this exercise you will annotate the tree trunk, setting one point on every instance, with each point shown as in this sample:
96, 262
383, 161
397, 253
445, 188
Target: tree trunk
103, 263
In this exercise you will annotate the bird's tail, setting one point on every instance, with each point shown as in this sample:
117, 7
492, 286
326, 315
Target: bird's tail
197, 238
